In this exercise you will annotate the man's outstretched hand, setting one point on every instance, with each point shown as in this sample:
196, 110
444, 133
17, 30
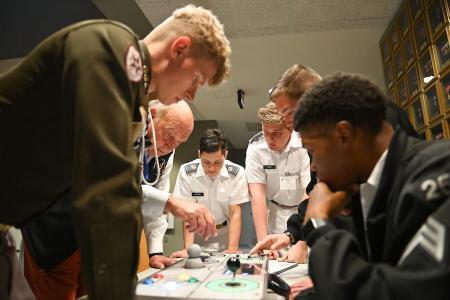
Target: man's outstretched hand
161, 261
271, 242
197, 216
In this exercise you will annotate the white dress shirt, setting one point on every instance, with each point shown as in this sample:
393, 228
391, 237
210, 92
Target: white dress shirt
228, 188
267, 167
368, 189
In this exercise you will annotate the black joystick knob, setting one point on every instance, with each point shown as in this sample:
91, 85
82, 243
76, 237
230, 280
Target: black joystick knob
233, 264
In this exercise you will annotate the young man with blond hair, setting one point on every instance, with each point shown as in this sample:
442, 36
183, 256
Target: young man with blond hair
277, 169
294, 82
89, 80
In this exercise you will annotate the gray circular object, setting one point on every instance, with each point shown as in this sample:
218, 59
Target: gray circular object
193, 263
194, 251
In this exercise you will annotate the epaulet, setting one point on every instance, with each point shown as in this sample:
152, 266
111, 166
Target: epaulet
233, 170
191, 168
256, 137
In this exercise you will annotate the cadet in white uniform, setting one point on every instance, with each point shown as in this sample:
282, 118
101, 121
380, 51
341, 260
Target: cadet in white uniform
218, 184
277, 169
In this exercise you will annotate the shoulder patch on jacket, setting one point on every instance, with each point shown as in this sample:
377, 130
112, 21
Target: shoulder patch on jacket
233, 170
191, 168
256, 137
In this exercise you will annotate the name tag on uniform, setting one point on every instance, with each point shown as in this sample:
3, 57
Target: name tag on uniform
288, 183
198, 194
269, 167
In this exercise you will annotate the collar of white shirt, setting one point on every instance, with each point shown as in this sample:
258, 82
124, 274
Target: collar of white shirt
294, 142
368, 189
201, 172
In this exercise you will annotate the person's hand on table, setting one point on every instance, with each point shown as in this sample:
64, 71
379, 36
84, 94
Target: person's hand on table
180, 253
160, 261
272, 254
270, 244
197, 216
298, 253
299, 286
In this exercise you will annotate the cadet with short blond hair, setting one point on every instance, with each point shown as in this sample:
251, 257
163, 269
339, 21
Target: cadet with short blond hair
277, 169
69, 116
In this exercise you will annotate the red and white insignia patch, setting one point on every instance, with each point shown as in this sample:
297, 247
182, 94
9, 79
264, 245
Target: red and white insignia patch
134, 64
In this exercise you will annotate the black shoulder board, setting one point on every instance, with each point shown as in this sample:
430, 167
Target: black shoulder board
191, 168
269, 167
233, 170
255, 137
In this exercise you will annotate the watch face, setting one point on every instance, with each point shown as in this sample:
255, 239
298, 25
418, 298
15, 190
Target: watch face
318, 222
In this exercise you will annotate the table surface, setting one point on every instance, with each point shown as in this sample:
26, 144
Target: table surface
291, 276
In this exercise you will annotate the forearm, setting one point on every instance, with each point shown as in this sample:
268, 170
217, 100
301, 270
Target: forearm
259, 210
234, 233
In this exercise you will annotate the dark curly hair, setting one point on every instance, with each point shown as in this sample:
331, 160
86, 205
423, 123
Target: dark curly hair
342, 97
212, 140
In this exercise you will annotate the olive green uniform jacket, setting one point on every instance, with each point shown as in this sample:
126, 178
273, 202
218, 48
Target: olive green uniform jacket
67, 115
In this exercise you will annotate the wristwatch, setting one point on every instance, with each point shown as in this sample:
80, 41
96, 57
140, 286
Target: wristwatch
291, 237
312, 224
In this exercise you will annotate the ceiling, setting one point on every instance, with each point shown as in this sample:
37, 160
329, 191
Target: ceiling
269, 17
267, 36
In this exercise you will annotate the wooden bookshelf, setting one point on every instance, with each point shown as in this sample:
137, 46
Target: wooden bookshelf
415, 50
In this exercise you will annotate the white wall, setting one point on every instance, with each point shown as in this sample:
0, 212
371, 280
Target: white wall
258, 62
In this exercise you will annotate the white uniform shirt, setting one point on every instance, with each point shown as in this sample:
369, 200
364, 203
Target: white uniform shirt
267, 167
229, 187
155, 226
